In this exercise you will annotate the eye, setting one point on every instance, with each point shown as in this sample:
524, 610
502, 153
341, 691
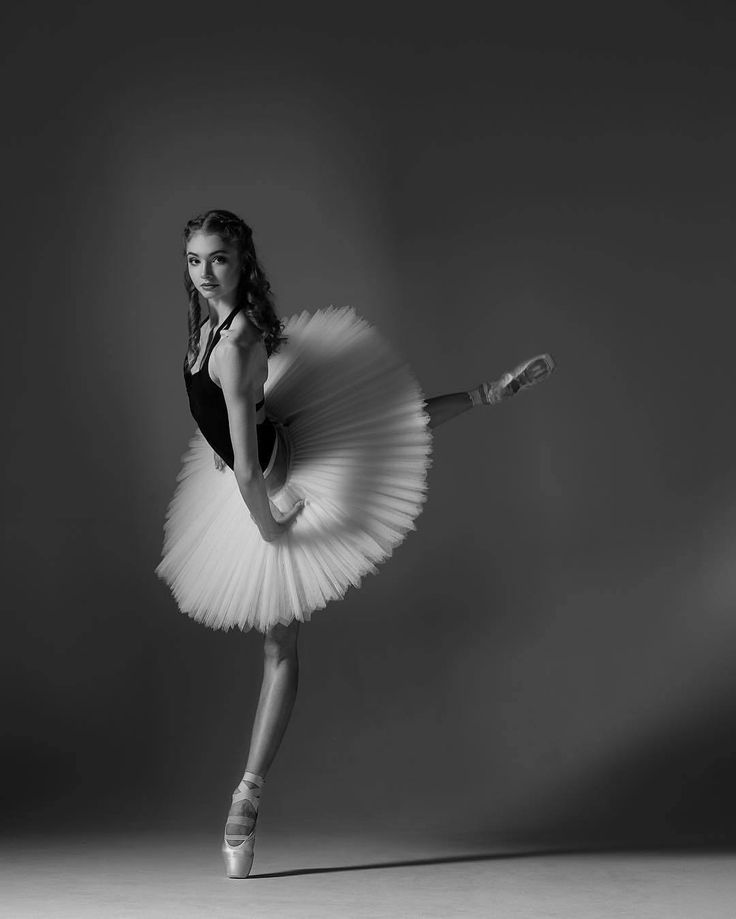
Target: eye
192, 260
220, 258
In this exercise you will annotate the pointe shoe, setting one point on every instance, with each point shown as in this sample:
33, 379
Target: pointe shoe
239, 858
525, 375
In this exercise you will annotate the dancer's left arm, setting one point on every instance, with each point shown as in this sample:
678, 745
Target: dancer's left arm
237, 367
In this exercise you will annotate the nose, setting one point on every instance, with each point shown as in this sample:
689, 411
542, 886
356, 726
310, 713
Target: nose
206, 270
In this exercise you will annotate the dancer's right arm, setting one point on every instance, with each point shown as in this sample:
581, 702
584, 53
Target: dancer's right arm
237, 362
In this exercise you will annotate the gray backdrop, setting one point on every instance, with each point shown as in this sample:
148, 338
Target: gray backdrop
548, 659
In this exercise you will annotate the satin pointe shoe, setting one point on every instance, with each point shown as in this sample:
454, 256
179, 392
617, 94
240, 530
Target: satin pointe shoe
525, 375
238, 850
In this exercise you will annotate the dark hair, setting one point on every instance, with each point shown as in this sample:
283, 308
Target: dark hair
254, 291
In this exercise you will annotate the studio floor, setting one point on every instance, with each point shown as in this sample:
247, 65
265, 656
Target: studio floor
350, 878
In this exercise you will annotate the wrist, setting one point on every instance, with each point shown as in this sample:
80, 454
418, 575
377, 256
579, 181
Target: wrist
271, 532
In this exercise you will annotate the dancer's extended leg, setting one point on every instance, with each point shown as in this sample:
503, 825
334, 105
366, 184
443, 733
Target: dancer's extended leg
442, 408
276, 701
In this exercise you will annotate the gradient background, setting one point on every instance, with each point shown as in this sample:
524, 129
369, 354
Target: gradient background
549, 659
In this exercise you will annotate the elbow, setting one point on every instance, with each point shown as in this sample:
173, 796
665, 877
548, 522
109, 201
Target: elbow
247, 475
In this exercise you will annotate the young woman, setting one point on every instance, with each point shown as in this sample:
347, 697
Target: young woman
321, 440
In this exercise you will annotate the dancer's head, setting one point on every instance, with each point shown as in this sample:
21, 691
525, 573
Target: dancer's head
218, 248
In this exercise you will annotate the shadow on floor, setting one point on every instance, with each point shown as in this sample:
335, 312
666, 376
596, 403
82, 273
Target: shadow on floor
418, 862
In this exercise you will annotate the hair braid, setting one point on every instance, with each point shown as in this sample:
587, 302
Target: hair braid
195, 314
254, 291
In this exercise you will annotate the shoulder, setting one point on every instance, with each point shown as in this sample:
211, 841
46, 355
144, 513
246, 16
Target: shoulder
242, 333
240, 352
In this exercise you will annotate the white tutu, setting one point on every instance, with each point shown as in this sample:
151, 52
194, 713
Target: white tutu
360, 448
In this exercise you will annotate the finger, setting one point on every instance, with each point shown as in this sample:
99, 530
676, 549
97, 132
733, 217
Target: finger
292, 515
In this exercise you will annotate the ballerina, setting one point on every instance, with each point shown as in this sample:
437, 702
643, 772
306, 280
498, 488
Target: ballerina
308, 468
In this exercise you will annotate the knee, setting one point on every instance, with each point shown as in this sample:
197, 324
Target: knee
281, 642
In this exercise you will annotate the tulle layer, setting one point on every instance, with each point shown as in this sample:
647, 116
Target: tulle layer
359, 452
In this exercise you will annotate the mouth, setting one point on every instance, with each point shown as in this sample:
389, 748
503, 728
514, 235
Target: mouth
208, 286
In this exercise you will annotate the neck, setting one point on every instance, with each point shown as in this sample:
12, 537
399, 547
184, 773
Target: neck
219, 309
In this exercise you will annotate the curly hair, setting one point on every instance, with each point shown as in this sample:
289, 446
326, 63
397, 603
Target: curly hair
254, 291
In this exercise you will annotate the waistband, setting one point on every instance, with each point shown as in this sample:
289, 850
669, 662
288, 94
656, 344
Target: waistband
274, 453
280, 445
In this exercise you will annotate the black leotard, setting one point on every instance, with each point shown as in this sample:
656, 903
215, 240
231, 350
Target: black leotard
207, 405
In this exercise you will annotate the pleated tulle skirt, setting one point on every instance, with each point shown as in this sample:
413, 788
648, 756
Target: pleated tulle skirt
352, 420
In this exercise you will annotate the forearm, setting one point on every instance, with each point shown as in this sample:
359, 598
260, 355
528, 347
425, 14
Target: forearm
253, 490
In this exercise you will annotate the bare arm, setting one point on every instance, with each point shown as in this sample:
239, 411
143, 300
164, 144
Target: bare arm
235, 365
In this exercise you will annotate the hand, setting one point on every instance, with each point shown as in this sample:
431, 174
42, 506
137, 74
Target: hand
286, 518
283, 520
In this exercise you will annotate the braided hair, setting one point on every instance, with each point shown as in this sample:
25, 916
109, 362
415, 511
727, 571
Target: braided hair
254, 291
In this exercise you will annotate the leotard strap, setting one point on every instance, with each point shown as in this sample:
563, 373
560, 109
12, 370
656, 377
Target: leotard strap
226, 325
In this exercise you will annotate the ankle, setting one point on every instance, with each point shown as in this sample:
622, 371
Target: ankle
244, 808
253, 780
490, 393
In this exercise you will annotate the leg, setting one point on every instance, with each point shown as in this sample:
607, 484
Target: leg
442, 408
276, 701
278, 693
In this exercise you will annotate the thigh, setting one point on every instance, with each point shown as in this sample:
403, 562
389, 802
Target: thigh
280, 640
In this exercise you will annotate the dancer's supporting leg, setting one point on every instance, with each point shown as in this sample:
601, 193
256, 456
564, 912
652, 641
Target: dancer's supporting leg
278, 692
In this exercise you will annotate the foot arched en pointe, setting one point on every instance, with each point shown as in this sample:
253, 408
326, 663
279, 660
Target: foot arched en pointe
240, 829
525, 375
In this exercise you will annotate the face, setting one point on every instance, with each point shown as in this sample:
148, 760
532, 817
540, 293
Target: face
214, 265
